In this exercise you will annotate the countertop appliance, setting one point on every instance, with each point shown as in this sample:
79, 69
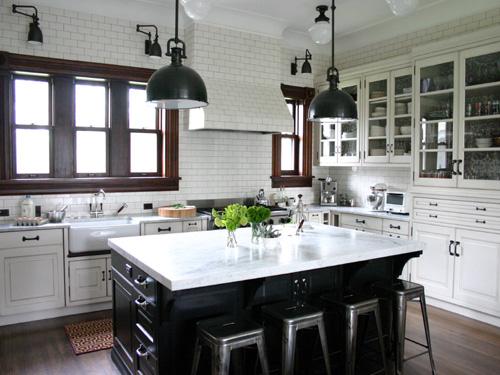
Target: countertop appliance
377, 196
279, 215
396, 202
328, 192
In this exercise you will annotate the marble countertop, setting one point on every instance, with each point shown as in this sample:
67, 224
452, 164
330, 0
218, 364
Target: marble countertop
198, 259
365, 211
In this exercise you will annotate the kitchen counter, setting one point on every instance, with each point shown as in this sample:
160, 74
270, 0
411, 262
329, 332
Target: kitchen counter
357, 211
194, 260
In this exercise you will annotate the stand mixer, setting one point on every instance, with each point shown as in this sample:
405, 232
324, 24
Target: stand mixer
376, 197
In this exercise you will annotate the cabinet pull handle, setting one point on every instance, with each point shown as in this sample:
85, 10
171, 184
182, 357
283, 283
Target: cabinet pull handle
480, 208
360, 221
192, 224
433, 204
141, 302
37, 238
392, 148
449, 248
453, 172
109, 276
459, 172
141, 351
398, 227
103, 276
128, 269
169, 229
480, 221
141, 281
456, 244
433, 216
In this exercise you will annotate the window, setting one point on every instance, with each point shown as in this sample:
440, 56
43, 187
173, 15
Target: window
292, 152
61, 132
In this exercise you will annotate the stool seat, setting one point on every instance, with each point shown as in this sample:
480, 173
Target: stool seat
228, 328
402, 287
290, 312
351, 301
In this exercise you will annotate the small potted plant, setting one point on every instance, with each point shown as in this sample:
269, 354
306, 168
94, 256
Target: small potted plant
256, 216
270, 236
233, 217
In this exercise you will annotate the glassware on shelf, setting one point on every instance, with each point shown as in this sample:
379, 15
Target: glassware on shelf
482, 69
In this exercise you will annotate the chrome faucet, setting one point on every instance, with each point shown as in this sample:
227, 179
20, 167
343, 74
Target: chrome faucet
95, 208
122, 207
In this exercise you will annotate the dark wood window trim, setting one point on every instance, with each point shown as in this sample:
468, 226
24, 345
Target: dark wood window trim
302, 175
63, 180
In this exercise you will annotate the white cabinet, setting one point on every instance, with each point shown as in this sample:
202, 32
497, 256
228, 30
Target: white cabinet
191, 226
32, 271
434, 268
167, 227
89, 279
320, 217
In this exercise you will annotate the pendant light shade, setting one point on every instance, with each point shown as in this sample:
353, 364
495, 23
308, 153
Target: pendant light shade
176, 86
306, 67
320, 30
197, 9
35, 35
402, 7
332, 105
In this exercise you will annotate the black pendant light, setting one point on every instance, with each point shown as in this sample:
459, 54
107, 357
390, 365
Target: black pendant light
35, 35
333, 105
176, 86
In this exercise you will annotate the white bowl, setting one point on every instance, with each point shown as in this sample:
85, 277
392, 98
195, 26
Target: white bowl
405, 130
377, 131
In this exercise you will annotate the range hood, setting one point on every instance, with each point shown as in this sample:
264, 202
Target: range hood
241, 106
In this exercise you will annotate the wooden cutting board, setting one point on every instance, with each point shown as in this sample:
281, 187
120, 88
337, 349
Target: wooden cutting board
170, 211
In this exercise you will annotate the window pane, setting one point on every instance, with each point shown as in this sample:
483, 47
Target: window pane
90, 105
141, 114
32, 151
287, 154
143, 153
90, 152
31, 102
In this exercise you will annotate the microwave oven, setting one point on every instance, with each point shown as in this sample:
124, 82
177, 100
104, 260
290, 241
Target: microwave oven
396, 202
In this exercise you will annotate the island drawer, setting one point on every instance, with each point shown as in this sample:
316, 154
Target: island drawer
163, 228
31, 238
360, 221
395, 226
140, 280
191, 226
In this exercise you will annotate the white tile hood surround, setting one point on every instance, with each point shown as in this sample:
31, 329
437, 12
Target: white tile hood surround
239, 106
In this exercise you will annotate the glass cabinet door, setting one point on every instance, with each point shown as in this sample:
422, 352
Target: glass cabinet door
349, 130
328, 145
435, 137
479, 162
377, 109
401, 117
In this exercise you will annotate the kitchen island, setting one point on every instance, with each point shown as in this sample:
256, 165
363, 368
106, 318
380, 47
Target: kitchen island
163, 284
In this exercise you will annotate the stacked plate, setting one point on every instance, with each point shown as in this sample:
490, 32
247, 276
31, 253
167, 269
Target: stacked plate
484, 142
377, 131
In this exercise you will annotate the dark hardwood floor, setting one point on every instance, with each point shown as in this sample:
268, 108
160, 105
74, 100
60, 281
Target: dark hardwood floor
461, 347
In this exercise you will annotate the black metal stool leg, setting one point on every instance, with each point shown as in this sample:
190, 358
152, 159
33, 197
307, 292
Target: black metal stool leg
378, 321
423, 307
400, 333
324, 346
222, 359
288, 351
351, 336
196, 357
261, 347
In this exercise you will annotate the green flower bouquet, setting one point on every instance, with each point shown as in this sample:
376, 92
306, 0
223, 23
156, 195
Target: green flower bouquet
233, 217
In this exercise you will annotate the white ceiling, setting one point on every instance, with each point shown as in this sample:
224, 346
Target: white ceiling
357, 22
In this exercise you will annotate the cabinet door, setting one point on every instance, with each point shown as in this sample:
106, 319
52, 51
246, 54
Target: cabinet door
400, 116
477, 270
377, 109
479, 118
434, 268
349, 132
436, 117
328, 148
32, 279
87, 279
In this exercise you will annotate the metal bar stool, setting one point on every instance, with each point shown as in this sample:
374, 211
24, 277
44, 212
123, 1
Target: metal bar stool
401, 293
223, 334
354, 306
295, 317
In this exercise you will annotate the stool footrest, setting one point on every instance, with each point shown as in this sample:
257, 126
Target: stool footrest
417, 343
416, 355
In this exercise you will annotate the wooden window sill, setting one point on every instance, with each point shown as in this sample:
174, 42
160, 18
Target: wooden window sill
87, 185
291, 181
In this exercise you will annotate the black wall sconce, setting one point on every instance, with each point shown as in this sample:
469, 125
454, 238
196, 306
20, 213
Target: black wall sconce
35, 35
306, 66
152, 49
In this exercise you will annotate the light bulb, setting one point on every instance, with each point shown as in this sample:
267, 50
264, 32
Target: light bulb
402, 7
320, 32
197, 9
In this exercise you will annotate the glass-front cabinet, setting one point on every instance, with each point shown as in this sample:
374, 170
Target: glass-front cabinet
435, 132
400, 116
479, 151
339, 142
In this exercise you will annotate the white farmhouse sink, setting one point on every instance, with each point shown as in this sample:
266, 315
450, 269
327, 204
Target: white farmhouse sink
92, 234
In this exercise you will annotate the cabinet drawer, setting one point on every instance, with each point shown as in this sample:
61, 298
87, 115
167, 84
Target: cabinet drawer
31, 238
163, 228
366, 222
450, 218
395, 226
360, 229
141, 281
146, 362
191, 226
394, 235
445, 205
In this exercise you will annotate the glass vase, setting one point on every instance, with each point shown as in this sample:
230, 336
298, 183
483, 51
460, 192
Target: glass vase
256, 233
231, 240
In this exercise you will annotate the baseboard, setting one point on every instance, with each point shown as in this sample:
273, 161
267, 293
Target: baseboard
48, 314
473, 314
